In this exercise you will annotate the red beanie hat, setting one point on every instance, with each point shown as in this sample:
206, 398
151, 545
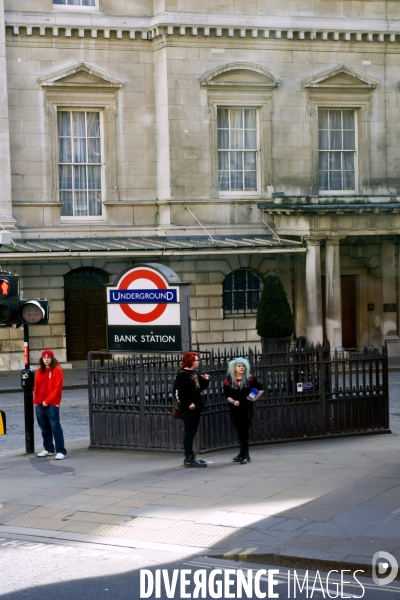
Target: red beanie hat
47, 353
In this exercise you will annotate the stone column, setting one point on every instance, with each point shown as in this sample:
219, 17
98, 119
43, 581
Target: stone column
5, 164
389, 317
313, 291
333, 318
300, 294
162, 124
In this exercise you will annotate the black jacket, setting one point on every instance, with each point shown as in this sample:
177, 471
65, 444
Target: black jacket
188, 387
231, 390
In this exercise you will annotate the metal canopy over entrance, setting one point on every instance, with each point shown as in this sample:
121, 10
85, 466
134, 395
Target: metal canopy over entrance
145, 246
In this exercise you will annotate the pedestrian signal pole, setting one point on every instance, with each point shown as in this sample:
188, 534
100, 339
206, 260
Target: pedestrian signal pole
16, 312
34, 311
27, 380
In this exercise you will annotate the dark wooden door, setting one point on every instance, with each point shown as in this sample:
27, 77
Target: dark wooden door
349, 325
85, 320
349, 312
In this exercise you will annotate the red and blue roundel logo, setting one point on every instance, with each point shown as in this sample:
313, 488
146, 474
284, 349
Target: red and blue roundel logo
160, 285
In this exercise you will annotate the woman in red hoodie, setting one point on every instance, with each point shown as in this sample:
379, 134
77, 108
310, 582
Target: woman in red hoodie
47, 399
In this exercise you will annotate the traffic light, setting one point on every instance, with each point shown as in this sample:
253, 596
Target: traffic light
33, 312
20, 311
9, 299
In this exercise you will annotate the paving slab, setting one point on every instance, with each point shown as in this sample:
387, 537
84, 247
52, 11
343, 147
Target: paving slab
389, 529
360, 520
328, 529
288, 525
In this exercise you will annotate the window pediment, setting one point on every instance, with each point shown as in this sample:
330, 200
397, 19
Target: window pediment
81, 76
341, 78
81, 90
240, 75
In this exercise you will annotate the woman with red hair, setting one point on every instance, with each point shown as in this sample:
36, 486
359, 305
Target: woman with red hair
187, 390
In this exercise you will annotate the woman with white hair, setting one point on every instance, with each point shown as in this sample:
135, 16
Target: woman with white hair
241, 390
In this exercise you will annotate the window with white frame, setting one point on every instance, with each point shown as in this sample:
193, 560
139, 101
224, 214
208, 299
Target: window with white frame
337, 139
80, 163
75, 3
237, 150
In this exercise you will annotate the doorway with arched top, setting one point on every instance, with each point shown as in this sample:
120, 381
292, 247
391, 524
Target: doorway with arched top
85, 312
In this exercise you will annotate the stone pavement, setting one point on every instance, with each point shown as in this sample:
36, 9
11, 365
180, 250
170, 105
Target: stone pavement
332, 500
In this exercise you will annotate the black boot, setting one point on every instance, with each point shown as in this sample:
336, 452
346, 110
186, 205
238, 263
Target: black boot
238, 458
198, 459
245, 459
194, 463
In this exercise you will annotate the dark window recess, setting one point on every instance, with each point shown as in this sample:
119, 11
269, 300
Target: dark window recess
75, 2
85, 276
241, 293
390, 308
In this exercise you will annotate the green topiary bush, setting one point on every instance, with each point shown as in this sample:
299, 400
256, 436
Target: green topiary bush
274, 317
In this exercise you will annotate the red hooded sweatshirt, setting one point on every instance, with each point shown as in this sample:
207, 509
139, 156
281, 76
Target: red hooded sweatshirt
48, 386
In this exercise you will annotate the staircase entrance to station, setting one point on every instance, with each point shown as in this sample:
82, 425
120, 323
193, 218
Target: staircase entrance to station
85, 316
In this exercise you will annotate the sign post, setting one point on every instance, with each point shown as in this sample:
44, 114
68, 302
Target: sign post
27, 383
148, 311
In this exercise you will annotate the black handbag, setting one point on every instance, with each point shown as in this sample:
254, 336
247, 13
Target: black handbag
176, 410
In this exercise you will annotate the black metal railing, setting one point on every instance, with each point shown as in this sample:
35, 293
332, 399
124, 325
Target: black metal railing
309, 393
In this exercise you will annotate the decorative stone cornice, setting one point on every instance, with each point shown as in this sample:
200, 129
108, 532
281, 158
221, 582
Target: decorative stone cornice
136, 29
80, 32
274, 32
331, 206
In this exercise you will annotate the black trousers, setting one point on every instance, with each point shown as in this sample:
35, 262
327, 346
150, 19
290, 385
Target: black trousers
191, 420
241, 420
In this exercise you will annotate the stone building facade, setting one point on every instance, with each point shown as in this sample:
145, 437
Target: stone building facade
226, 139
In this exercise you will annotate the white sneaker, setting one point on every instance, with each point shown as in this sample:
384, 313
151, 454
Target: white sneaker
45, 453
59, 456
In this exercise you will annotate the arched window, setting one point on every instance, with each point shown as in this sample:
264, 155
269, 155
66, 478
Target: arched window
85, 276
241, 293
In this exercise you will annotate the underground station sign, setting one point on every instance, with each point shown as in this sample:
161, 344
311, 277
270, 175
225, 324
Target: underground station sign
144, 311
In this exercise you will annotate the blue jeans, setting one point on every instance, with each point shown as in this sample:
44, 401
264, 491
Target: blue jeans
48, 418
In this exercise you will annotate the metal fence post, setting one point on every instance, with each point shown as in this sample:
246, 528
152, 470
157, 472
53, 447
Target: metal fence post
29, 410
142, 412
322, 390
385, 381
90, 394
